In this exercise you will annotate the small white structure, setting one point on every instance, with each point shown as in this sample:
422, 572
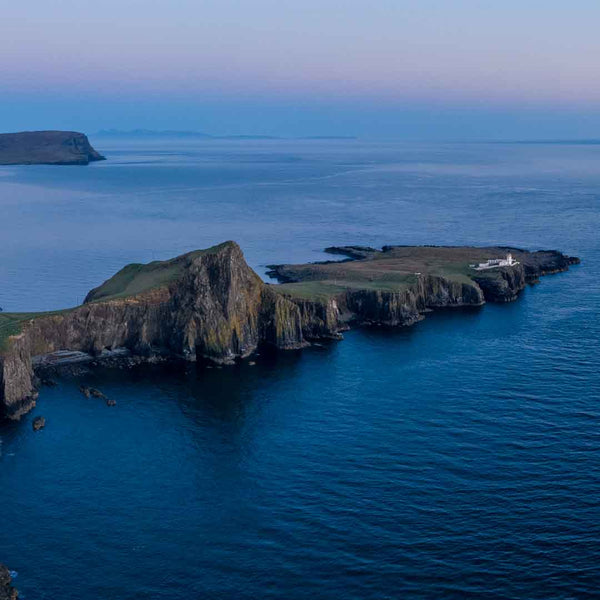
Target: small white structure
492, 263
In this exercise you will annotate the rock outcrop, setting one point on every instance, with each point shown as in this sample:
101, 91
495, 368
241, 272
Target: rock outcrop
210, 304
7, 591
46, 148
38, 423
505, 284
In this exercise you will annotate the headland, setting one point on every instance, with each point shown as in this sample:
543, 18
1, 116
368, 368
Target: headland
46, 148
210, 305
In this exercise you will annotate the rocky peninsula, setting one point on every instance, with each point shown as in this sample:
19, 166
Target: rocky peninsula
46, 148
210, 305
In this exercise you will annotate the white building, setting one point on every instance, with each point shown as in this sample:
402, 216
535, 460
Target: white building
509, 261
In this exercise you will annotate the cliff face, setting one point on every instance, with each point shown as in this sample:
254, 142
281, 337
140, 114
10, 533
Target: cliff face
406, 307
17, 392
217, 308
210, 304
504, 286
46, 147
327, 317
418, 291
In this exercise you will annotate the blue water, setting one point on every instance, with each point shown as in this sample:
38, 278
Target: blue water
459, 458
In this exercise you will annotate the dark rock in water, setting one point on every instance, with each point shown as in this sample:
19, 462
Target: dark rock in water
111, 402
47, 148
96, 393
49, 382
39, 423
7, 591
85, 391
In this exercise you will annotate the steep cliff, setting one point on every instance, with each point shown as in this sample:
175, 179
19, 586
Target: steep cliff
395, 286
326, 315
209, 304
206, 304
46, 147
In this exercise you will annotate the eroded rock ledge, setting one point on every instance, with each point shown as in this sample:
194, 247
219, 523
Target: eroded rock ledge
210, 304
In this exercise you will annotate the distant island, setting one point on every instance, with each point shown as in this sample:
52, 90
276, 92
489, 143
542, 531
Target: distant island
173, 133
46, 148
210, 305
149, 133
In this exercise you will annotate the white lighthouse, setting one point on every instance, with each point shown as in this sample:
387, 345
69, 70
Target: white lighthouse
491, 263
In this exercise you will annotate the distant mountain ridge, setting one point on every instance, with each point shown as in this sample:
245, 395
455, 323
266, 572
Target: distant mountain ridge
149, 133
174, 133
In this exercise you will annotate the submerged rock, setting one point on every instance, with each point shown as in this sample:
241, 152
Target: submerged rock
39, 423
111, 402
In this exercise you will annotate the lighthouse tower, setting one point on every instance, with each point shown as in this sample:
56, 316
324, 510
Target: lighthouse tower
509, 259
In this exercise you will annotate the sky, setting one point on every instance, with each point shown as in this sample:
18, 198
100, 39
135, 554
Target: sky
415, 69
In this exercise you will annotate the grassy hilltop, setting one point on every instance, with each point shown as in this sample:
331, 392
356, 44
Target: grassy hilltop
131, 280
393, 269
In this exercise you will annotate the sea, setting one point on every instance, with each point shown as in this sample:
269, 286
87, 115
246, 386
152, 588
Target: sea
458, 458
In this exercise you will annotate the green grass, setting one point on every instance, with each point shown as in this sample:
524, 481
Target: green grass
459, 272
384, 273
11, 323
322, 290
136, 278
129, 281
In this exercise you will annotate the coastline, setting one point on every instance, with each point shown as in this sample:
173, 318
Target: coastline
210, 305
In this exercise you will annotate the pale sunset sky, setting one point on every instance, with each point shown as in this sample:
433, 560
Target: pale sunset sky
414, 69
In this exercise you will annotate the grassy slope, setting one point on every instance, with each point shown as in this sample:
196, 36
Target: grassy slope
132, 279
390, 271
314, 290
137, 278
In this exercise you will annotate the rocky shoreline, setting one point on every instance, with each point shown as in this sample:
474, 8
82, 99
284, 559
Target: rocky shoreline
211, 305
7, 591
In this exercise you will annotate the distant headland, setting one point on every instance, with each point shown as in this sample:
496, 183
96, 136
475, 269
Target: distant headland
210, 305
46, 148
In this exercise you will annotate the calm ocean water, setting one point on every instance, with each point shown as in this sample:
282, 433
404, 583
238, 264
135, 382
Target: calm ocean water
459, 458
